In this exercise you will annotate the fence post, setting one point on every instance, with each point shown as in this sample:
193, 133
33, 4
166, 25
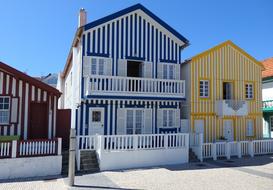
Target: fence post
135, 142
14, 149
228, 150
213, 151
239, 149
251, 148
200, 140
165, 141
59, 146
97, 142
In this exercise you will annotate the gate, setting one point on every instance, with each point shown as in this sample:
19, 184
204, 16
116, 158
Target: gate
63, 122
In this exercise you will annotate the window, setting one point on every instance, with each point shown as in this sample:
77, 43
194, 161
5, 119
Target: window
168, 118
249, 127
168, 71
97, 66
204, 89
4, 110
249, 91
96, 116
227, 90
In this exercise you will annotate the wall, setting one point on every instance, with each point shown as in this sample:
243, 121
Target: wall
225, 63
30, 167
142, 158
267, 90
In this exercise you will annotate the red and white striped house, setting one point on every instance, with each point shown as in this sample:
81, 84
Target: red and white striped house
28, 107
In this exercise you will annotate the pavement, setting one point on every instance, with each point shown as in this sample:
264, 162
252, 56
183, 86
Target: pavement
246, 173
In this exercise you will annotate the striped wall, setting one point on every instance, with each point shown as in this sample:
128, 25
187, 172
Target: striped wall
225, 62
27, 93
111, 114
133, 36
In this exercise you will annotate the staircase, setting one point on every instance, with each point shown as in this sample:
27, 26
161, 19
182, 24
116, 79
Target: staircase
192, 156
89, 162
65, 160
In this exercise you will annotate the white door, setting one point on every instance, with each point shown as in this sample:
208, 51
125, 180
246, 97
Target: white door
228, 130
96, 121
199, 126
134, 121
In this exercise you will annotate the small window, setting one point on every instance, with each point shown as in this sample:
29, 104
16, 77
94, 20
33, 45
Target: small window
168, 118
249, 128
168, 71
204, 89
96, 116
4, 110
249, 91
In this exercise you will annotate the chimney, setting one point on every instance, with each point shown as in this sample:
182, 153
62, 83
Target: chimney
82, 18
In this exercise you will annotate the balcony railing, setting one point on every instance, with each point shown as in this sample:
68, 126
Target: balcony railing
128, 86
231, 107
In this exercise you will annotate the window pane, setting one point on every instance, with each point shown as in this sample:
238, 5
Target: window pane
94, 66
6, 100
101, 66
165, 71
171, 118
171, 72
165, 120
96, 116
130, 122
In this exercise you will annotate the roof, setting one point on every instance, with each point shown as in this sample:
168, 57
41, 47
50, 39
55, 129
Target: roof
268, 65
20, 75
228, 42
131, 9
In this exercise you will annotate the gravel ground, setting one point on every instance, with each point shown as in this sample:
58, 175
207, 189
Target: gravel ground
246, 173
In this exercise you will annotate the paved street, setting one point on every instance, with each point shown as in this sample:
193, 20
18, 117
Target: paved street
246, 173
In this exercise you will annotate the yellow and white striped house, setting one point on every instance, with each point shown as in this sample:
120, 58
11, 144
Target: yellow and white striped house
224, 100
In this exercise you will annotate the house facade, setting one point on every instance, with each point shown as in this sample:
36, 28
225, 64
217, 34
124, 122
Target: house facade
27, 106
268, 98
224, 94
123, 76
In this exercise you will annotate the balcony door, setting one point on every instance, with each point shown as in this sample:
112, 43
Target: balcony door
134, 121
228, 90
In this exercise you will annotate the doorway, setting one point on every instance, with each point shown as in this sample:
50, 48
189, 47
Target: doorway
134, 69
96, 121
227, 91
228, 130
38, 128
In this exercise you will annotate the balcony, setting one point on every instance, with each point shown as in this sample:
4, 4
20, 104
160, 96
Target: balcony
231, 107
133, 86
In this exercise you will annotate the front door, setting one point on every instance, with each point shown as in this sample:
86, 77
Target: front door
134, 121
199, 126
228, 130
96, 121
38, 121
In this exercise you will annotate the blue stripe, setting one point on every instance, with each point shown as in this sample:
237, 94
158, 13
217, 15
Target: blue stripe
77, 127
175, 52
160, 44
168, 61
134, 106
155, 118
117, 46
131, 35
164, 46
139, 37
136, 58
103, 40
98, 54
126, 42
172, 51
94, 41
169, 48
116, 110
148, 45
168, 106
98, 41
111, 118
135, 34
88, 42
134, 97
179, 58
83, 45
122, 34
108, 38
156, 45
144, 38
152, 43
113, 46
81, 125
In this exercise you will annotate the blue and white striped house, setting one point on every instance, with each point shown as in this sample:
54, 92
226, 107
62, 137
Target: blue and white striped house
123, 75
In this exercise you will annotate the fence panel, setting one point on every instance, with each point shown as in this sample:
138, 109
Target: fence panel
5, 149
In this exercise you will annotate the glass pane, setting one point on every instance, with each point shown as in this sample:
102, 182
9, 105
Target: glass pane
165, 71
1, 106
6, 100
101, 66
1, 100
130, 122
171, 118
171, 72
6, 106
96, 116
138, 121
165, 120
94, 66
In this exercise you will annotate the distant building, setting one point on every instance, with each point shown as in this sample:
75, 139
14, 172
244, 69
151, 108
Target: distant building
50, 79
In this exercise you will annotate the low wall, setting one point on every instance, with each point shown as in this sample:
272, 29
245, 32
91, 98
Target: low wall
30, 167
114, 160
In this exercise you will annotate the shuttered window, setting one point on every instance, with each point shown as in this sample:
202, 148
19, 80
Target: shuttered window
97, 66
4, 110
249, 91
204, 88
168, 118
168, 71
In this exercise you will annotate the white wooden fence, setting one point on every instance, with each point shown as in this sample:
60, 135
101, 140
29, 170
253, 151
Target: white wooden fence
30, 148
227, 149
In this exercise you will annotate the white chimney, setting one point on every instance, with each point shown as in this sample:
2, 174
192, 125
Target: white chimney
82, 17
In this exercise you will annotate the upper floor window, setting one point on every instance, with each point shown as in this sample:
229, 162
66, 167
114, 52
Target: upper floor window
168, 71
97, 66
204, 88
4, 110
168, 118
249, 91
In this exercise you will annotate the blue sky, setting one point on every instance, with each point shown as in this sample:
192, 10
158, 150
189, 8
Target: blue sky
35, 36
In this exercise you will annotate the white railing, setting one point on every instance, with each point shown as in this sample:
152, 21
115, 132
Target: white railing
5, 149
37, 147
231, 107
86, 142
99, 84
262, 147
221, 149
244, 148
207, 150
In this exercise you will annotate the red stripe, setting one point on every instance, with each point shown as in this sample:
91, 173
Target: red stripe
23, 110
10, 84
4, 83
36, 94
28, 113
18, 107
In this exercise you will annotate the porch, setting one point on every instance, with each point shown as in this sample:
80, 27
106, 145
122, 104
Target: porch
132, 151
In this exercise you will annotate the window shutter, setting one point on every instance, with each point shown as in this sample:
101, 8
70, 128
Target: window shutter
108, 67
177, 118
160, 70
148, 70
86, 69
148, 128
14, 110
177, 72
122, 67
121, 121
160, 118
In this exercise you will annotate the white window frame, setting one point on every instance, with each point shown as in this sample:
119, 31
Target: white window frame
2, 110
166, 118
249, 91
204, 89
134, 122
250, 133
97, 66
167, 69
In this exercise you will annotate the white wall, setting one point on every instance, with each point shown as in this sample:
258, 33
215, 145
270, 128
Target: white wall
30, 167
142, 158
267, 91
